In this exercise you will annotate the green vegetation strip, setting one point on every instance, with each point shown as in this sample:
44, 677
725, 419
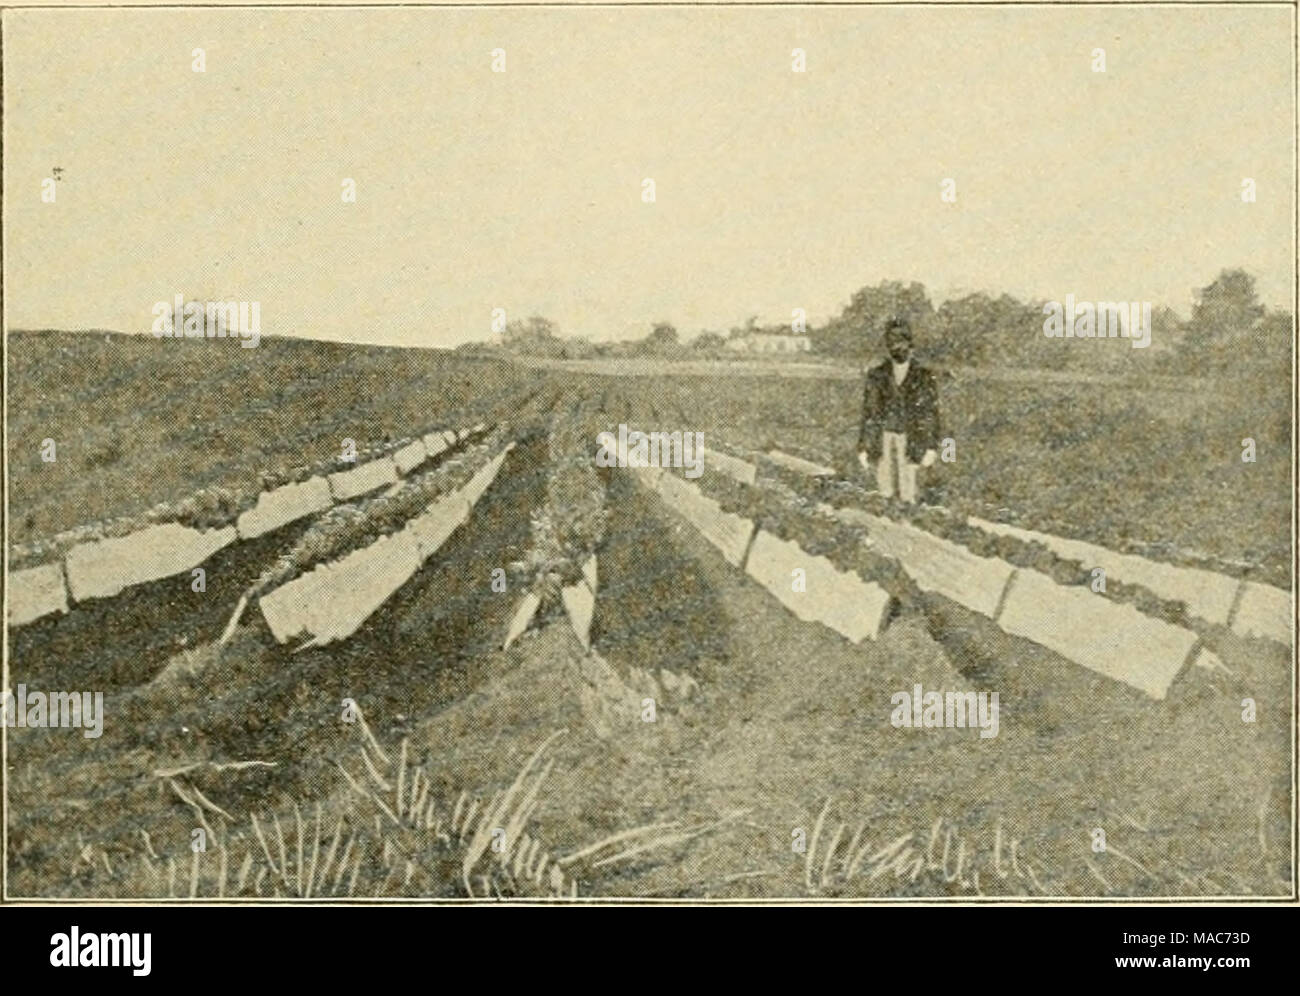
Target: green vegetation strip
790, 517
348, 527
570, 526
1027, 554
212, 507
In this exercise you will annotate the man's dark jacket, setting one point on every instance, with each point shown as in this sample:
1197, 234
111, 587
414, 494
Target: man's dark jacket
912, 407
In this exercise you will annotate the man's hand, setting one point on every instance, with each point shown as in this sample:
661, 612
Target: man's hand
928, 460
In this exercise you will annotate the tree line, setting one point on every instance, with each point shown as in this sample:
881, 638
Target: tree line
1228, 328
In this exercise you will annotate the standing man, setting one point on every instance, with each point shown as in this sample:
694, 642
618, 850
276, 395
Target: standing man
900, 416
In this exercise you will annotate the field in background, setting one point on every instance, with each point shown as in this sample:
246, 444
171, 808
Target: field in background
137, 420
814, 365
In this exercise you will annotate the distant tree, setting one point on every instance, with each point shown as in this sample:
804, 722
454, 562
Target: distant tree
661, 341
1274, 335
663, 334
858, 331
749, 328
1167, 330
534, 336
709, 341
577, 349
1224, 317
531, 329
963, 332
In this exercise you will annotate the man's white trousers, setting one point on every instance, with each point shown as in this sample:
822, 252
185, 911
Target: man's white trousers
894, 474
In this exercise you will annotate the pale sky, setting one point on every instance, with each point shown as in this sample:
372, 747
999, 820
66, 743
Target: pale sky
523, 190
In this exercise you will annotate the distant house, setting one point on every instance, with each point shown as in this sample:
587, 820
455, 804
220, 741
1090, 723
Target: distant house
769, 343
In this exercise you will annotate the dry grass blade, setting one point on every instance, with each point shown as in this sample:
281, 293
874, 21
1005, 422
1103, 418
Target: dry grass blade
370, 737
812, 845
525, 856
378, 779
1113, 850
261, 839
479, 842
668, 840
401, 778
899, 862
235, 616
671, 839
365, 793
356, 869
224, 863
315, 855
525, 808
614, 839
1096, 873
180, 793
456, 811
297, 816
830, 852
245, 867
279, 839
329, 855
1034, 878
882, 855
467, 819
853, 849
410, 809
343, 862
